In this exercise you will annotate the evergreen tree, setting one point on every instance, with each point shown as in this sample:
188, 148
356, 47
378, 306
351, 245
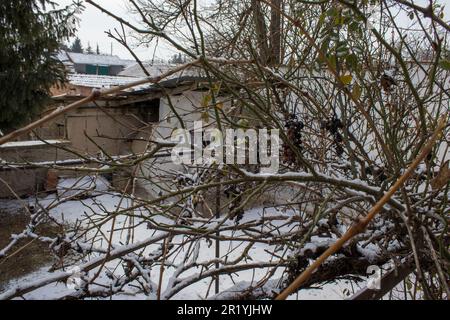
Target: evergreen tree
64, 47
89, 49
31, 33
178, 59
97, 51
77, 47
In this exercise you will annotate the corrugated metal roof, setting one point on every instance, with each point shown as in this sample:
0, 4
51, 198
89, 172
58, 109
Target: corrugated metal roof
156, 70
168, 84
95, 59
98, 81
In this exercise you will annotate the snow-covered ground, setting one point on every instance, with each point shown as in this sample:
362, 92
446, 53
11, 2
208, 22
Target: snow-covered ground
93, 203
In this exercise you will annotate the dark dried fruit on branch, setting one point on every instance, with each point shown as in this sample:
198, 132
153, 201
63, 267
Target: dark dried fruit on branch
294, 128
339, 150
377, 173
234, 192
387, 82
183, 180
333, 126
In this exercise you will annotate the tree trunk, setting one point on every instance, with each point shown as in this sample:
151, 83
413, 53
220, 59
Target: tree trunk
261, 32
275, 33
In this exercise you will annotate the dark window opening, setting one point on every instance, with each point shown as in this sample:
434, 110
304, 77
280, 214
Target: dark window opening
97, 70
148, 110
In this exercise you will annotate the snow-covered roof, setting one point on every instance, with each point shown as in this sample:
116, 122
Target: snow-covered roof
98, 81
128, 63
63, 57
32, 143
65, 60
95, 59
135, 70
156, 70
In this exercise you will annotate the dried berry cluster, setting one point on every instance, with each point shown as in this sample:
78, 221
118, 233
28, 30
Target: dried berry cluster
387, 82
234, 192
294, 128
183, 180
378, 173
333, 126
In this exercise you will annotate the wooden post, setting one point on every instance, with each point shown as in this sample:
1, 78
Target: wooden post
217, 240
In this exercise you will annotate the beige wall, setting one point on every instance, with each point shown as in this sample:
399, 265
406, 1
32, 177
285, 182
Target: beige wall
189, 107
25, 182
35, 151
108, 132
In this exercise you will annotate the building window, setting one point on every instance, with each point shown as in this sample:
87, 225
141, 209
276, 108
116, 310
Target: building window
149, 110
97, 70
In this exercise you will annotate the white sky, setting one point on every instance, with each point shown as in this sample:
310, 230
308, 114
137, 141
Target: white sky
94, 24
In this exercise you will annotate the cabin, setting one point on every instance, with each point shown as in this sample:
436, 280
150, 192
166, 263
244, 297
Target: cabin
112, 126
92, 64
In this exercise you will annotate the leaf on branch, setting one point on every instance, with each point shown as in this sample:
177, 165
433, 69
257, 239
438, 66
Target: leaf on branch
347, 79
243, 123
205, 117
216, 88
357, 91
206, 100
352, 62
445, 64
443, 177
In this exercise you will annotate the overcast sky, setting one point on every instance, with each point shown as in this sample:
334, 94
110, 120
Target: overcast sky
94, 24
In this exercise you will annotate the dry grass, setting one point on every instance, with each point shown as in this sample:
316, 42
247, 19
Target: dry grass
32, 255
